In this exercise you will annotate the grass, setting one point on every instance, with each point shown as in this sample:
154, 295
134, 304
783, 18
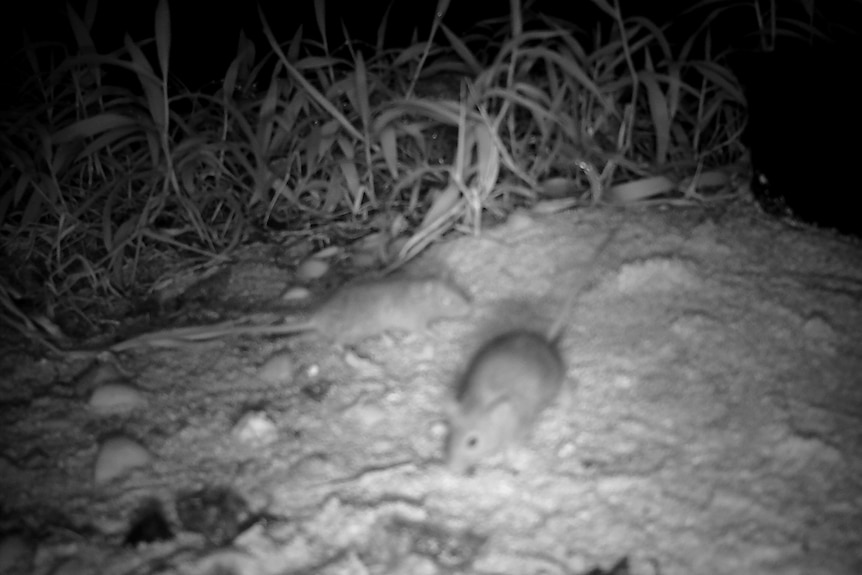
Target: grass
116, 177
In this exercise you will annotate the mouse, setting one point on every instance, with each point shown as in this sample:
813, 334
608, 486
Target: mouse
507, 384
357, 310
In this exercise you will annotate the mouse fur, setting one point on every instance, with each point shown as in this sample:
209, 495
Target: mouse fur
508, 383
355, 311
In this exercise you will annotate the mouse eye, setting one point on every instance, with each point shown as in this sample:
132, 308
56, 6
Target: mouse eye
472, 441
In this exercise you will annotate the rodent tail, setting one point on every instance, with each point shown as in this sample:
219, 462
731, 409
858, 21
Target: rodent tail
587, 278
209, 332
278, 329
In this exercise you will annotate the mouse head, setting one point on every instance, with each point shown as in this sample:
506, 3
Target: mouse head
475, 437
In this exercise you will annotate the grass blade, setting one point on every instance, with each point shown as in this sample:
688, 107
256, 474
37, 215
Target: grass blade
163, 36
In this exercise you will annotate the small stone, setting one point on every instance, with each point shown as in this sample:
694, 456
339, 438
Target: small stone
818, 327
295, 294
255, 428
311, 269
117, 456
277, 369
113, 398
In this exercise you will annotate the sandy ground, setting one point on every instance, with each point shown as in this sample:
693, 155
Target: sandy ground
711, 423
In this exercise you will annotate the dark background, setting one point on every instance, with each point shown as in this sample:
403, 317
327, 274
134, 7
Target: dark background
204, 33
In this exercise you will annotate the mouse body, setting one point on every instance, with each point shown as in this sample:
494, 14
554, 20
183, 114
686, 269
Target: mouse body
509, 382
507, 385
369, 308
355, 311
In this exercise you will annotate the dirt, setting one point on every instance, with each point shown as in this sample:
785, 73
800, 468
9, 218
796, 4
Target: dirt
713, 424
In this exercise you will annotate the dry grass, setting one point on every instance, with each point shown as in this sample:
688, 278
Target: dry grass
113, 175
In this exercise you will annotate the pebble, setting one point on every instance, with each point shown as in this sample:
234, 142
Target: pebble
280, 368
296, 294
256, 429
113, 398
311, 269
117, 456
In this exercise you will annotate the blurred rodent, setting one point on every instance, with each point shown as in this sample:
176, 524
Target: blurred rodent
508, 383
355, 311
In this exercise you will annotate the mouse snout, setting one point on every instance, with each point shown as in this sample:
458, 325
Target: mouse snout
461, 450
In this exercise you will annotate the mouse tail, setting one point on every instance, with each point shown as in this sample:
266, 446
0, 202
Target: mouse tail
557, 331
209, 332
278, 329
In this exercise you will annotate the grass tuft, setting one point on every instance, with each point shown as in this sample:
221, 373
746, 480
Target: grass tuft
114, 173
